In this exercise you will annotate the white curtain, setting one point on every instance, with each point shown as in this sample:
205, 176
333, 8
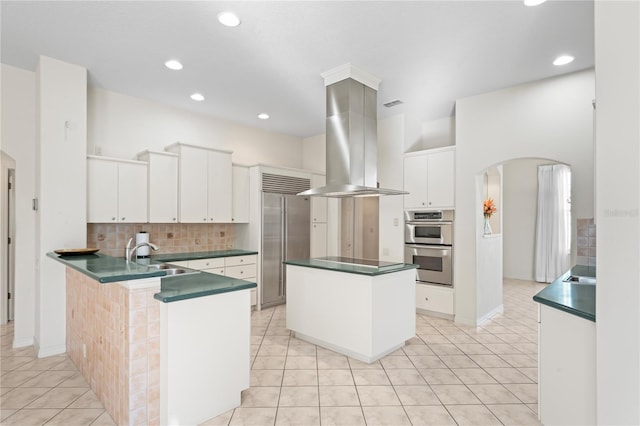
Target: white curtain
553, 224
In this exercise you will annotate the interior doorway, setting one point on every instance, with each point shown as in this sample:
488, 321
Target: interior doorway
7, 238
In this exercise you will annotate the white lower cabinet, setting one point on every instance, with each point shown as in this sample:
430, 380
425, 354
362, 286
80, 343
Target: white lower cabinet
240, 267
566, 368
435, 299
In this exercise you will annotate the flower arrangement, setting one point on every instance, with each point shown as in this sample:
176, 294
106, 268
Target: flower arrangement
488, 208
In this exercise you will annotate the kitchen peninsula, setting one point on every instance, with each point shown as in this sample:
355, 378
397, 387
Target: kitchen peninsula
137, 336
361, 308
567, 349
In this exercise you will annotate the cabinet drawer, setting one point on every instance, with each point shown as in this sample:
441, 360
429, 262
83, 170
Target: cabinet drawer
217, 262
217, 271
434, 298
242, 272
240, 260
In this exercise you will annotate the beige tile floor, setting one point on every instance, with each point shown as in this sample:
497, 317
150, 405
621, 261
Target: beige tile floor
447, 374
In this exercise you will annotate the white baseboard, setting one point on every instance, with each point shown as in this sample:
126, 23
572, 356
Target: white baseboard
490, 314
21, 343
52, 350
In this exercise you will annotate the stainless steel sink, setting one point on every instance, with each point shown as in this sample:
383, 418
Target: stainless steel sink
171, 269
179, 271
576, 279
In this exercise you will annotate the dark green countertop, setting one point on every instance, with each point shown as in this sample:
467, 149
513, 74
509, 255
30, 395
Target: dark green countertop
107, 269
322, 263
176, 288
175, 257
576, 299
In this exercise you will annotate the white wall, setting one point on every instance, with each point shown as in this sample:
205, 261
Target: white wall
550, 118
121, 126
314, 153
61, 171
617, 53
520, 204
434, 134
18, 140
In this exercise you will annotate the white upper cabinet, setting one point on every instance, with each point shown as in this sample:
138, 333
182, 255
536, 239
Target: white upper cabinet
429, 177
117, 190
220, 187
204, 184
240, 196
318, 204
163, 186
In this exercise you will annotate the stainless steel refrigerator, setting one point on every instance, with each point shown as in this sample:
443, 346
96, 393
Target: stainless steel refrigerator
286, 231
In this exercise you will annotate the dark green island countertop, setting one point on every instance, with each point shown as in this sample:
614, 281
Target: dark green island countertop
331, 264
573, 298
108, 269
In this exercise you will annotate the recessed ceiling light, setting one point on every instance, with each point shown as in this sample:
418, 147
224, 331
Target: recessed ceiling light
533, 2
197, 97
563, 60
263, 116
229, 19
173, 65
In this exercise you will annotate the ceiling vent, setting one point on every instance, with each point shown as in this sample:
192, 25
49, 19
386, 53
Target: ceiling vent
393, 103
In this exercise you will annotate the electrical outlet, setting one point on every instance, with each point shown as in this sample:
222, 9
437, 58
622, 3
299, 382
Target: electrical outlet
98, 150
396, 221
84, 350
229, 246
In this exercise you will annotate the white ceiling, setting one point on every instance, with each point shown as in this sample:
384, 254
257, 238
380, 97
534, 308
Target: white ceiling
427, 53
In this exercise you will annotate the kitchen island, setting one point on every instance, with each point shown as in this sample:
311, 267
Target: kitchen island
148, 343
364, 309
567, 349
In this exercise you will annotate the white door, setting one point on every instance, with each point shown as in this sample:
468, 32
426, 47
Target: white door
102, 191
440, 179
415, 181
132, 193
193, 185
219, 183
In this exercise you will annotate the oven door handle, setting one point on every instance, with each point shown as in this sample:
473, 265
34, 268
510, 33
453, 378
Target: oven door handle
425, 246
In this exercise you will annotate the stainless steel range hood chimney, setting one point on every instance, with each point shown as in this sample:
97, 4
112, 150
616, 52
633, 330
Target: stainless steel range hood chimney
351, 135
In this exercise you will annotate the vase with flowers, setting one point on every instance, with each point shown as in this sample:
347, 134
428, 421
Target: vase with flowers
489, 208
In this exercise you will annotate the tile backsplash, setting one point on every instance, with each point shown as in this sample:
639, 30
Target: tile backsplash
111, 238
586, 242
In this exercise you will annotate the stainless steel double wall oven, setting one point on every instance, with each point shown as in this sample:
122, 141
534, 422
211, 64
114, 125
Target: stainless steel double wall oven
429, 244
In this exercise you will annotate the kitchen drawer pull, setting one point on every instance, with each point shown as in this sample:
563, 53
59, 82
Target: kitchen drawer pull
123, 218
113, 218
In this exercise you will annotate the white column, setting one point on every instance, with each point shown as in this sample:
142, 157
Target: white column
617, 52
61, 149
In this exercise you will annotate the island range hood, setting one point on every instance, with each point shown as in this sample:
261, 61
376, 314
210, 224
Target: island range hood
351, 135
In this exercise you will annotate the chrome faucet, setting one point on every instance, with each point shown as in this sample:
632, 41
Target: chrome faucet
128, 251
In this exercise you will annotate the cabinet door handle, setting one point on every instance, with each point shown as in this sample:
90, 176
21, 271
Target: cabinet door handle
429, 202
174, 219
426, 298
113, 218
123, 218
205, 219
